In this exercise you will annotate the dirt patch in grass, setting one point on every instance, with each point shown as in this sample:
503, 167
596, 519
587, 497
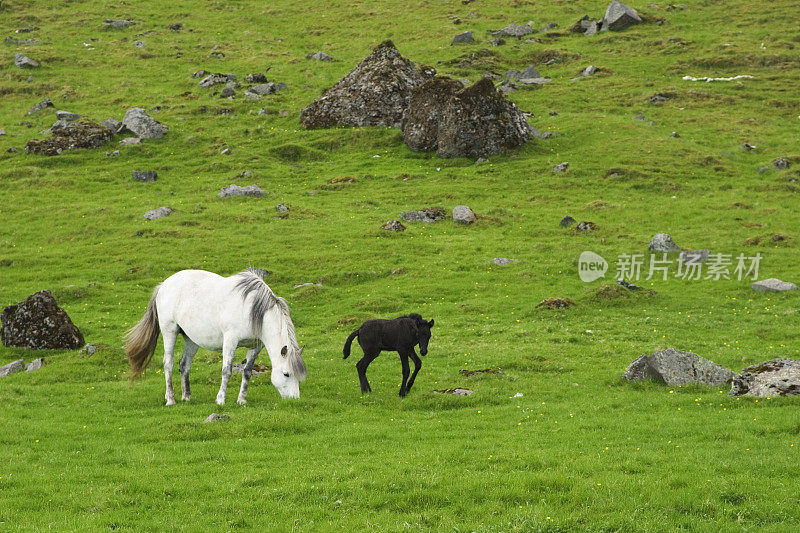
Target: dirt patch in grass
769, 239
555, 303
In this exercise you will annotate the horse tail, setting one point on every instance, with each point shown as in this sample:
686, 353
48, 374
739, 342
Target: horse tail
348, 342
141, 339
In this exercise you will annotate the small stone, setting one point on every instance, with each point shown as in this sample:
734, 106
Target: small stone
12, 150
662, 242
514, 30
761, 170
555, 303
638, 117
263, 88
227, 92
118, 24
674, 135
111, 124
394, 225
656, 98
155, 214
226, 151
67, 116
588, 71
530, 72
549, 27
748, 147
90, 349
781, 163
463, 214
458, 391
262, 111
214, 417
463, 38
566, 222
200, 74
498, 42
23, 61
178, 26
34, 365
145, 175
41, 105
236, 190
561, 167
424, 215
115, 153
215, 79
586, 226
251, 95
10, 368
773, 285
282, 208
255, 77
137, 121
130, 141
2, 132
138, 44
503, 261
319, 56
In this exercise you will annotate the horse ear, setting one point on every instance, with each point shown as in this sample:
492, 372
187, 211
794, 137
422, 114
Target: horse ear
284, 351
430, 324
301, 351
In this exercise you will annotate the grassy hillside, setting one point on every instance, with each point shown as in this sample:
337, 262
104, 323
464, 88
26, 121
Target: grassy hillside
581, 449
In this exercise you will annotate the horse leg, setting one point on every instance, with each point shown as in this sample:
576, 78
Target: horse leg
228, 351
417, 365
361, 366
246, 373
169, 347
404, 361
189, 351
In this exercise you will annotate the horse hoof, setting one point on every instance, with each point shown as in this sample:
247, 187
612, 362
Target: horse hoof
170, 402
186, 398
241, 401
220, 401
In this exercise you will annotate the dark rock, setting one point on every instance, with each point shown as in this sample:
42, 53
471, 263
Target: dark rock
555, 303
658, 97
675, 367
394, 225
662, 242
117, 24
235, 190
513, 30
145, 175
214, 417
137, 121
23, 61
463, 38
111, 124
74, 135
41, 105
319, 56
566, 221
674, 134
160, 212
628, 285
463, 214
12, 150
34, 365
67, 116
781, 163
586, 226
561, 167
424, 113
503, 261
530, 72
777, 377
498, 42
115, 153
227, 92
433, 214
748, 147
773, 285
39, 323
619, 16
26, 29
375, 93
10, 368
477, 121
255, 77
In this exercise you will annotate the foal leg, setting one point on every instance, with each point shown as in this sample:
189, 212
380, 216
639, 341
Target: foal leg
417, 365
361, 366
189, 351
246, 373
404, 361
169, 347
228, 351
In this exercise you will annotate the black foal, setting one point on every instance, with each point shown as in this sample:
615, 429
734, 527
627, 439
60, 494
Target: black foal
401, 335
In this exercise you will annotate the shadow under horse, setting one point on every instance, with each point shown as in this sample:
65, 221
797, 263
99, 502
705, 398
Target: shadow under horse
397, 335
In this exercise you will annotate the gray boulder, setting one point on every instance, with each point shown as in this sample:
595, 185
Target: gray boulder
463, 38
433, 214
112, 124
777, 377
10, 368
619, 16
264, 88
773, 285
513, 30
503, 261
463, 214
566, 222
375, 93
138, 122
34, 365
215, 79
478, 121
117, 24
214, 417
38, 323
67, 116
319, 56
675, 367
255, 77
155, 214
561, 167
588, 71
23, 61
394, 225
41, 105
145, 175
422, 117
235, 190
781, 163
662, 242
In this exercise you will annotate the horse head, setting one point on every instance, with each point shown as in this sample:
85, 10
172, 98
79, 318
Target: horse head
423, 334
288, 370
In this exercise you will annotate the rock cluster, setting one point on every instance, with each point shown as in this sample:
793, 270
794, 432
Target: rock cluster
236, 190
618, 17
84, 134
433, 214
39, 323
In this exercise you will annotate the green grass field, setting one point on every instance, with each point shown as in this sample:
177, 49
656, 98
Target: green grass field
81, 449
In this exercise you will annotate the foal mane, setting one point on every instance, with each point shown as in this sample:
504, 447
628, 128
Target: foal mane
252, 281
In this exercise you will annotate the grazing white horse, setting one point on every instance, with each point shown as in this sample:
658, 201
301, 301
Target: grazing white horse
218, 314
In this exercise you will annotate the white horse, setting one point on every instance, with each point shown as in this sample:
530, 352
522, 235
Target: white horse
218, 314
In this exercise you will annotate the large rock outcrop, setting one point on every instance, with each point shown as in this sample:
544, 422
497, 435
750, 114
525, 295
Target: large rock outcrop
619, 16
777, 377
40, 324
477, 121
84, 134
675, 367
421, 119
375, 93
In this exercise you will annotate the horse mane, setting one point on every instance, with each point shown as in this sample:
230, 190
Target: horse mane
416, 317
252, 281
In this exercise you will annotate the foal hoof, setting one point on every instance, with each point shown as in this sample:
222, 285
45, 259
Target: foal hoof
186, 398
220, 401
171, 401
241, 401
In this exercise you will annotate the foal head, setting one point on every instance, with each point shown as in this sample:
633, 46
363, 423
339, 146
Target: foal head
423, 333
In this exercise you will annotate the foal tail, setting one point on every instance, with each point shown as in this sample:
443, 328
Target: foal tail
348, 342
141, 339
